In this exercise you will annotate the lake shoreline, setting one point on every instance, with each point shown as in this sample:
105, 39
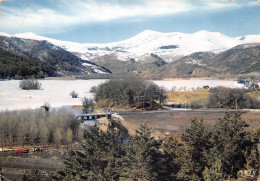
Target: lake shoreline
57, 92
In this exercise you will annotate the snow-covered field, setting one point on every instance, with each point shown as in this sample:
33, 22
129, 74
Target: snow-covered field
181, 85
56, 92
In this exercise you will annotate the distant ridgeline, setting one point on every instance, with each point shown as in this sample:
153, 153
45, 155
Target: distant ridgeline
242, 60
23, 58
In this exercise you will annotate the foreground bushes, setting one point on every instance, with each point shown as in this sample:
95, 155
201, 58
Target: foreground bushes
28, 84
203, 153
221, 97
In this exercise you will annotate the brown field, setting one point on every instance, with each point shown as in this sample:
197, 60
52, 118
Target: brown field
200, 96
178, 121
255, 94
190, 96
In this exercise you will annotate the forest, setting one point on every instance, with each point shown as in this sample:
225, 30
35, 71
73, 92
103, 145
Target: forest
131, 92
18, 67
221, 152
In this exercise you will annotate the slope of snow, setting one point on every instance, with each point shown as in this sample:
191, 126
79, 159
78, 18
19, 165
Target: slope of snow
250, 38
5, 34
149, 41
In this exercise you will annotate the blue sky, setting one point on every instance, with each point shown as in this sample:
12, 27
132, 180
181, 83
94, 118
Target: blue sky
101, 21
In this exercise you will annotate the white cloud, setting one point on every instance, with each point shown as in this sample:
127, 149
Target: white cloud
227, 3
68, 13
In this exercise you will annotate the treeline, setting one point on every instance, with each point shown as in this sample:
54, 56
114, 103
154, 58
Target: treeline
131, 92
17, 67
222, 97
38, 127
202, 153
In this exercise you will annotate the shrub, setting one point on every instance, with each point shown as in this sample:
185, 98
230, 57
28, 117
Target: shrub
46, 106
29, 84
88, 103
196, 105
221, 97
93, 89
130, 92
74, 94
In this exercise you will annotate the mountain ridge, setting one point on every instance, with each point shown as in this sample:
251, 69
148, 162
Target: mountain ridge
37, 53
158, 61
166, 45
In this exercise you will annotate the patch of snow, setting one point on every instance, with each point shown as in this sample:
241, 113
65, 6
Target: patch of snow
55, 92
5, 34
88, 65
198, 62
193, 84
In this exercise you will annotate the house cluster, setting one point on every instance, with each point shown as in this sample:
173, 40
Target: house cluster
249, 84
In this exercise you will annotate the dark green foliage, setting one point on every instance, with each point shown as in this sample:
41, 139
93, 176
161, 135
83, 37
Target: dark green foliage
36, 175
197, 138
24, 58
101, 158
222, 97
142, 156
229, 140
15, 66
130, 92
217, 153
213, 173
252, 154
106, 156
204, 154
169, 160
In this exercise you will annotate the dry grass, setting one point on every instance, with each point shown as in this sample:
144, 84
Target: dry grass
200, 96
167, 123
77, 107
253, 119
255, 94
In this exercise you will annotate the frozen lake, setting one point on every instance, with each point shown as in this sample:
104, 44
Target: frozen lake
56, 92
195, 83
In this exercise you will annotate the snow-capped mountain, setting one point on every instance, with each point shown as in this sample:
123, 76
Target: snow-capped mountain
51, 59
166, 45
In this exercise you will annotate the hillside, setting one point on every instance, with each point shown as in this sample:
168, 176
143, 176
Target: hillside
59, 61
149, 54
242, 60
169, 46
15, 66
151, 66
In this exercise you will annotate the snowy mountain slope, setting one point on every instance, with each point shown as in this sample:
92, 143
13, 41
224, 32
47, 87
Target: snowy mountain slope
58, 61
166, 45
